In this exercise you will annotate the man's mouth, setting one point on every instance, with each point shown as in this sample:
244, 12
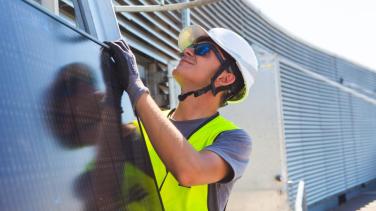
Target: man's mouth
187, 60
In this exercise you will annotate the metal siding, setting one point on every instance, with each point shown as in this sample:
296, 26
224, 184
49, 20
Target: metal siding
303, 131
157, 30
329, 136
352, 74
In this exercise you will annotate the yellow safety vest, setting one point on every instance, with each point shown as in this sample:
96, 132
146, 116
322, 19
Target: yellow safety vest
139, 186
174, 196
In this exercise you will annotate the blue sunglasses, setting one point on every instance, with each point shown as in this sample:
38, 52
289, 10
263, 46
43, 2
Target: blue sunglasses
203, 48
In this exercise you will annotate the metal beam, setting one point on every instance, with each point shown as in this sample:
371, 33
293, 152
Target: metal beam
185, 15
165, 7
84, 17
97, 18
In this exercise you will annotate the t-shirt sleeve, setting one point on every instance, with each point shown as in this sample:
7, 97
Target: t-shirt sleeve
234, 147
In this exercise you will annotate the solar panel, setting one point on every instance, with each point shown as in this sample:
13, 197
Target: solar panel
61, 147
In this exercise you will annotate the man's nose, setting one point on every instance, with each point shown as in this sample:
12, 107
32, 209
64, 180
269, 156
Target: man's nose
188, 52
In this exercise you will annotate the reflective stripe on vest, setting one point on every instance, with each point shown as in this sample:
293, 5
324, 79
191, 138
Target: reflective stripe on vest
174, 196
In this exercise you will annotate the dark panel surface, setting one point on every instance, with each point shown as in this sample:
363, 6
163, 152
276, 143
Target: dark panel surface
60, 147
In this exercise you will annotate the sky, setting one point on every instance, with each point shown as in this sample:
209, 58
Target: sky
346, 28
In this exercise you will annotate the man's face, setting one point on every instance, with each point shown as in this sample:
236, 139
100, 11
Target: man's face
195, 71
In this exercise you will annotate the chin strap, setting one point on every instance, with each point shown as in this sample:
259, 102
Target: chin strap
211, 86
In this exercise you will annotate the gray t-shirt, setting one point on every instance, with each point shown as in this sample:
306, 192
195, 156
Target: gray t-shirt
233, 146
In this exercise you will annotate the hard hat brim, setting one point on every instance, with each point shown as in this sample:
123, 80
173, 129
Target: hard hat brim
189, 35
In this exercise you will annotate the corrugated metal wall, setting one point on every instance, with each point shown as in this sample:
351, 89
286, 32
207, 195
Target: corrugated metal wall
154, 34
330, 136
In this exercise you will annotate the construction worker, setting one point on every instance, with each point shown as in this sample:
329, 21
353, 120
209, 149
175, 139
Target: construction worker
196, 154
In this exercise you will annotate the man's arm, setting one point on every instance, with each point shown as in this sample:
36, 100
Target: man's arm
187, 165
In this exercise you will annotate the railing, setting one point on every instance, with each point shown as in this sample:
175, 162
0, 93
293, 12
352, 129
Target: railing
300, 200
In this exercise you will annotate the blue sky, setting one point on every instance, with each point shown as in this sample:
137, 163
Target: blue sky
346, 28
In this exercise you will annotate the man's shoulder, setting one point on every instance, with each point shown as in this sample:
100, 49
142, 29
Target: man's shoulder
237, 135
237, 140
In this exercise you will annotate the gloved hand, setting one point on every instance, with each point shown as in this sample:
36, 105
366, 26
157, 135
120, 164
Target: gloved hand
114, 89
126, 68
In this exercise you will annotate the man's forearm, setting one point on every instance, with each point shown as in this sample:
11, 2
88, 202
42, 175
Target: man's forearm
172, 147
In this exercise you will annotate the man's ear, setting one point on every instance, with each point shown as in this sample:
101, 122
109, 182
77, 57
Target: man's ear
225, 78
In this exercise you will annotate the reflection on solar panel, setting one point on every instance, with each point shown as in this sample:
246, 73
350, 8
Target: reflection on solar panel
61, 147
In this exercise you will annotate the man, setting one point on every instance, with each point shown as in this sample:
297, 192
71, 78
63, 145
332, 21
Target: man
196, 154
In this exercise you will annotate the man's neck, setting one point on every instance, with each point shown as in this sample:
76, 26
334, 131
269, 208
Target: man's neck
196, 107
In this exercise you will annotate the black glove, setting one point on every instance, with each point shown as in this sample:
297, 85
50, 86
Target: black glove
126, 68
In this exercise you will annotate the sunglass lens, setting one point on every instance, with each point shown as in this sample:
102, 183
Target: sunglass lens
202, 49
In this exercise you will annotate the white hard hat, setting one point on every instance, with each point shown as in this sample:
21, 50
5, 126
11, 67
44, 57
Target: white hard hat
234, 45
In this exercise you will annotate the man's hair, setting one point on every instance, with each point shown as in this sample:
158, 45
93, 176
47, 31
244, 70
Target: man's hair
235, 89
